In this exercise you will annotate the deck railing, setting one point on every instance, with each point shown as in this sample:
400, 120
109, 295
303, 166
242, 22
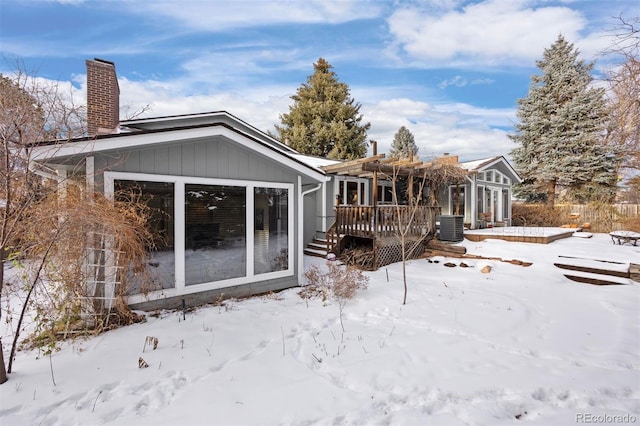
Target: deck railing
385, 221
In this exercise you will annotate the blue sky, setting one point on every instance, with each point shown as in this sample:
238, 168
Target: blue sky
451, 71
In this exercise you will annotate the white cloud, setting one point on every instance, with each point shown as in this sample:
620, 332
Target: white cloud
484, 33
457, 81
459, 129
215, 16
72, 2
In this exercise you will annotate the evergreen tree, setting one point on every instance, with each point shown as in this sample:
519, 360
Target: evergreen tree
404, 144
324, 120
560, 129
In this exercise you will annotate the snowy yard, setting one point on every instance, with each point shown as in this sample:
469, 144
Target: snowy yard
516, 345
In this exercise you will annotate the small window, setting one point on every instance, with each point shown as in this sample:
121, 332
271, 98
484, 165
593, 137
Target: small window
505, 203
457, 200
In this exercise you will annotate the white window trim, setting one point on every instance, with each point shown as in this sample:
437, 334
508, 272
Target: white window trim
342, 180
384, 184
464, 190
497, 177
179, 234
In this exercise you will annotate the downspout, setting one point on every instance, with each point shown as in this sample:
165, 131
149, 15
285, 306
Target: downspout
301, 195
474, 200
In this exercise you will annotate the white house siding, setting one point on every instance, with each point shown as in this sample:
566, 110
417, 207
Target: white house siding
218, 159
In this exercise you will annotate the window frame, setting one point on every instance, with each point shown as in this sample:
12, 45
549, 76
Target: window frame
179, 183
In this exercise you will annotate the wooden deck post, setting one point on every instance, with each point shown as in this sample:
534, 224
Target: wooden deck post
375, 202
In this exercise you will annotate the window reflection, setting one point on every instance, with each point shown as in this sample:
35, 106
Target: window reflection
215, 233
271, 224
159, 197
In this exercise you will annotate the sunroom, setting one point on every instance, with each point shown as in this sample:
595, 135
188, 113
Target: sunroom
226, 203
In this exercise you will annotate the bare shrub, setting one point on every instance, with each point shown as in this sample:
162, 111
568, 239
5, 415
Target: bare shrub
62, 234
339, 282
537, 215
631, 224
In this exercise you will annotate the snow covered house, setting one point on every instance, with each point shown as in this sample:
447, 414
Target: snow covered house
228, 199
234, 208
351, 202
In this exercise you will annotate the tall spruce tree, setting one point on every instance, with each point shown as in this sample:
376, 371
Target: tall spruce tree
404, 144
560, 128
324, 120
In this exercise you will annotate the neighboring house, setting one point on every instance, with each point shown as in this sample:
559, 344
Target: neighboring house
485, 199
228, 199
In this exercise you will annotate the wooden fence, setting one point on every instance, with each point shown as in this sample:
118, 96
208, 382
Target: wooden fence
603, 218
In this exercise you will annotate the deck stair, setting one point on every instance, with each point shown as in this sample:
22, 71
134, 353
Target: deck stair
595, 271
317, 247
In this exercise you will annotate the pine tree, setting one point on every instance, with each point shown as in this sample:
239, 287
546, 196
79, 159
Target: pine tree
324, 120
560, 128
404, 144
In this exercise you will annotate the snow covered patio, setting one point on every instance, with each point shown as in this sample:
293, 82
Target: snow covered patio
523, 234
517, 344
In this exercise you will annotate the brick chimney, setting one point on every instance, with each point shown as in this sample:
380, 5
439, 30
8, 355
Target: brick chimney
447, 159
103, 97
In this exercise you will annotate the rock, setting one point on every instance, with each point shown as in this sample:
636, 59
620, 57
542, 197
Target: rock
450, 265
485, 269
463, 265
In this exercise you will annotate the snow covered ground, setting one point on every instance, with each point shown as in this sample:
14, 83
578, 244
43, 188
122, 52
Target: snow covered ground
518, 344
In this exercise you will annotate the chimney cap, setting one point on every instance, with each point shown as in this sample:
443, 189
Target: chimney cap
104, 61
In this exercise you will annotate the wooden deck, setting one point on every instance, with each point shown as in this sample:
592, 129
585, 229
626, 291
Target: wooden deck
382, 226
537, 235
385, 221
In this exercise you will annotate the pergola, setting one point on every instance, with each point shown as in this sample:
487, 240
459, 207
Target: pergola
382, 224
438, 171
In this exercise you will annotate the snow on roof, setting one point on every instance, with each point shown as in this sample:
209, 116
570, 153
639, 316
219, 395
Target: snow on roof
316, 162
476, 164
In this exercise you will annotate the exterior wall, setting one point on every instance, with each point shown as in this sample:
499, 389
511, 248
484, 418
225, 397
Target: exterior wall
211, 296
502, 168
311, 223
216, 158
329, 209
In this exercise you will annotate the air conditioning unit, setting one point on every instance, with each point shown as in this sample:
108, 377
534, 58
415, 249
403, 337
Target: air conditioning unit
451, 228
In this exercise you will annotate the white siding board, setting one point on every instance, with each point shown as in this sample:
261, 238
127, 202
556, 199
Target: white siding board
147, 161
233, 164
212, 157
222, 159
162, 160
131, 161
175, 160
200, 159
188, 160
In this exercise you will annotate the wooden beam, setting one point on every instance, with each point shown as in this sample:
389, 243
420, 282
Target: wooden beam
334, 168
386, 169
388, 160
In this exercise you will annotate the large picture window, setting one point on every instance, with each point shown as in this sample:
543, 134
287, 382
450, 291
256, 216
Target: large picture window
211, 233
215, 233
271, 230
159, 198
